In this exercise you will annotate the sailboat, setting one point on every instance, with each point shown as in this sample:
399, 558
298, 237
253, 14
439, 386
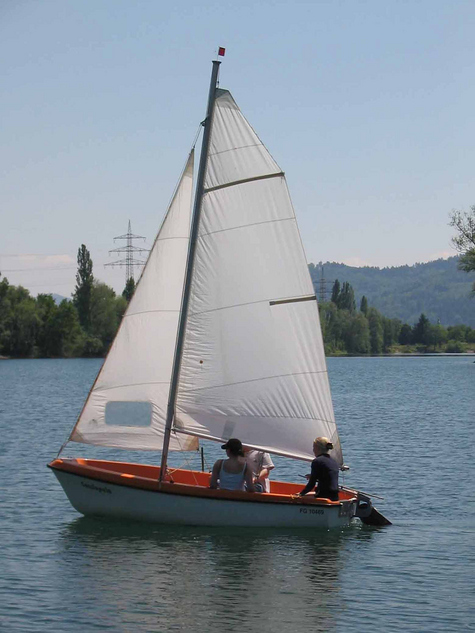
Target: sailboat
221, 339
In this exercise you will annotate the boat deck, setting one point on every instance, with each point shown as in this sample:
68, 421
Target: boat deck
185, 482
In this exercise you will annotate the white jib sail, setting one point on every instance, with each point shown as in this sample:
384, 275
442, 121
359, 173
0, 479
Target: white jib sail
253, 363
127, 405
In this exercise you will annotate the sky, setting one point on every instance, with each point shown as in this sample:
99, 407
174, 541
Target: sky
368, 107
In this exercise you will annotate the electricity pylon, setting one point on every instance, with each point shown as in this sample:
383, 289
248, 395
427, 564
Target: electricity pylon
130, 250
323, 287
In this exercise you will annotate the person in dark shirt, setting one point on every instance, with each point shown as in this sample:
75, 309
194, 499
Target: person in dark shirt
324, 471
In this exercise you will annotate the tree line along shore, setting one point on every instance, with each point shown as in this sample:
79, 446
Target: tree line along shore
85, 326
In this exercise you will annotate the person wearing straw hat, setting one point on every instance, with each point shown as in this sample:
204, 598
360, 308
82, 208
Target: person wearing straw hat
324, 471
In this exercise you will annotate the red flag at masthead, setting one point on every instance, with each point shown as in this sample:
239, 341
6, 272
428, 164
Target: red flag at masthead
221, 51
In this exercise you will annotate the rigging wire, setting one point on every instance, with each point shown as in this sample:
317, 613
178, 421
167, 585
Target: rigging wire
188, 461
198, 132
200, 126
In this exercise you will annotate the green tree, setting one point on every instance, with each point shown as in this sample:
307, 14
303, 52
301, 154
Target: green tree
19, 322
464, 241
129, 289
343, 296
421, 331
375, 331
84, 284
92, 346
335, 292
356, 334
364, 305
458, 332
346, 299
438, 336
25, 329
47, 339
331, 321
3, 288
71, 338
4, 314
405, 335
455, 347
391, 329
104, 318
60, 334
120, 307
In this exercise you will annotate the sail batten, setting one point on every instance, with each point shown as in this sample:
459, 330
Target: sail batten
263, 301
136, 384
234, 149
243, 382
279, 174
130, 316
246, 226
277, 302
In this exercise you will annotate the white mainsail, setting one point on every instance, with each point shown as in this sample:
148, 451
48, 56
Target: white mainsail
127, 405
253, 363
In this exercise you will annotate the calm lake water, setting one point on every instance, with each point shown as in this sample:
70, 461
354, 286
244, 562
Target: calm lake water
407, 430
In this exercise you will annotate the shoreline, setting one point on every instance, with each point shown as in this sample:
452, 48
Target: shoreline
402, 355
470, 353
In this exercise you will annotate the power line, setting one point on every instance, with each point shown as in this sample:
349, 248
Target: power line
31, 254
36, 269
48, 284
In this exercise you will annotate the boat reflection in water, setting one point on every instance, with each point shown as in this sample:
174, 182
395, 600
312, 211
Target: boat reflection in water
153, 578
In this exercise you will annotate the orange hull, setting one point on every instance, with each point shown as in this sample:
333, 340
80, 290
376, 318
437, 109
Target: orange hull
86, 481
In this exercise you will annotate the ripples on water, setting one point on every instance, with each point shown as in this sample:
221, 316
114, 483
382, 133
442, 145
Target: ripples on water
407, 433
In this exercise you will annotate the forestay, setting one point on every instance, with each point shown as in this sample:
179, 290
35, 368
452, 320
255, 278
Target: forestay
253, 363
127, 405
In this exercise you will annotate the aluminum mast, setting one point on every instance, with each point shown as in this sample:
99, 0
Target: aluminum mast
207, 123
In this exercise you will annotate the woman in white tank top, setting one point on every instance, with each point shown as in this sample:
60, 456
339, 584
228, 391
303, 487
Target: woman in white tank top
232, 473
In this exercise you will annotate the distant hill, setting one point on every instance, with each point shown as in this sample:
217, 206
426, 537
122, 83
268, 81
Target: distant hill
57, 298
436, 288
